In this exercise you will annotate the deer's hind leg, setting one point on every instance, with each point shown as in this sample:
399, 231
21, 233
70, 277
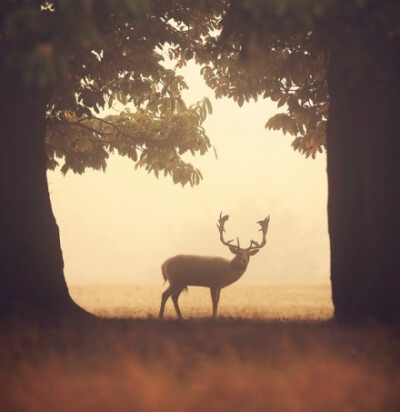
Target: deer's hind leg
165, 296
175, 297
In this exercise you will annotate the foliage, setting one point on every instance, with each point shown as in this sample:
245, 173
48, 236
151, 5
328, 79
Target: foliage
113, 53
109, 54
279, 49
154, 141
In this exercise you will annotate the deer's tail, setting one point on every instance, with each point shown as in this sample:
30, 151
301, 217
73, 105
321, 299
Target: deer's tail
164, 272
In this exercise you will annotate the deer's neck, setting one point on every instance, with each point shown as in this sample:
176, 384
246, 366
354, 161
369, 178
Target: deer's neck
236, 270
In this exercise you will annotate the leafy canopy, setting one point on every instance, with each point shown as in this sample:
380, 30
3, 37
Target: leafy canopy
93, 56
279, 49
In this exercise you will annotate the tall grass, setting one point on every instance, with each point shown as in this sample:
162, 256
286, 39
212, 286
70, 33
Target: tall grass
199, 365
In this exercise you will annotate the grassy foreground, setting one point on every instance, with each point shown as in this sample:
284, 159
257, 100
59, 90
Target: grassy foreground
199, 365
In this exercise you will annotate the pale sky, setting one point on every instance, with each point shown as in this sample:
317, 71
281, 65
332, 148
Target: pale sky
119, 226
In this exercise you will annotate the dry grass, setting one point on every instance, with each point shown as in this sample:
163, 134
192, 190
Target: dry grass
251, 301
200, 364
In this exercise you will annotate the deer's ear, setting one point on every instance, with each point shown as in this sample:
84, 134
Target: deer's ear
253, 252
233, 250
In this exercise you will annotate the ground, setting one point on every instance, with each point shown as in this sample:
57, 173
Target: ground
230, 364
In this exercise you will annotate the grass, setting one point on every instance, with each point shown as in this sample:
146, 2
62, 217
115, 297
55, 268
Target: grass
250, 301
231, 364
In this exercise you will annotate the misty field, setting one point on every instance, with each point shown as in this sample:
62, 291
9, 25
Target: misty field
249, 301
274, 348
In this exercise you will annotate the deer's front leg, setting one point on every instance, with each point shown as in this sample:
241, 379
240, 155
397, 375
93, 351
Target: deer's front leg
215, 292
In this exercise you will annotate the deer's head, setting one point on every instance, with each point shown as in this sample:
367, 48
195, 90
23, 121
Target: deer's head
242, 255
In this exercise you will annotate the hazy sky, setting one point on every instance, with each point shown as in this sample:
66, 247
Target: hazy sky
119, 226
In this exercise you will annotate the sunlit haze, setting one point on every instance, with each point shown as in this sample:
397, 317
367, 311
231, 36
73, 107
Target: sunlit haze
119, 226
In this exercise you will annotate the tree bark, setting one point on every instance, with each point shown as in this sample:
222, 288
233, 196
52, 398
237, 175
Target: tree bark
363, 148
31, 264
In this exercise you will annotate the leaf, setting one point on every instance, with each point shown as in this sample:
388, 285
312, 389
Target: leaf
82, 145
282, 100
208, 105
275, 95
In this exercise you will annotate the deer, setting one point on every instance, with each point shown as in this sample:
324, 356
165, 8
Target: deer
215, 273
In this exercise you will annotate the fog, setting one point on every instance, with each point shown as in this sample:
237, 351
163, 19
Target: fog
119, 226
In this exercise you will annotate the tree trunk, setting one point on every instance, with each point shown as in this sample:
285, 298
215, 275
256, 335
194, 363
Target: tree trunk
31, 264
363, 176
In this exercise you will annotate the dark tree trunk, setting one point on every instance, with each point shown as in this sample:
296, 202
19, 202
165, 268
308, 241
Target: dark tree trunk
31, 264
364, 176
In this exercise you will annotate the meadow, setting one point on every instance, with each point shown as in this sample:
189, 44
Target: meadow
250, 301
273, 348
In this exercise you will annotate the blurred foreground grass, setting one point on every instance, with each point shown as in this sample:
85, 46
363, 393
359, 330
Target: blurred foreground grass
228, 364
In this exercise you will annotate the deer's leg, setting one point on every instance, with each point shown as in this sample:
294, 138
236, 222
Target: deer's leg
175, 297
215, 292
164, 299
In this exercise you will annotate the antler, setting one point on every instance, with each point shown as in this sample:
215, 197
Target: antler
221, 229
264, 228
